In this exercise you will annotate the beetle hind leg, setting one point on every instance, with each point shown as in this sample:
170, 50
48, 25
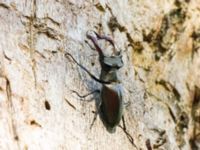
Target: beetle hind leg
130, 138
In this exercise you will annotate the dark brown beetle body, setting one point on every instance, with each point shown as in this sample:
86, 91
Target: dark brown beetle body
111, 106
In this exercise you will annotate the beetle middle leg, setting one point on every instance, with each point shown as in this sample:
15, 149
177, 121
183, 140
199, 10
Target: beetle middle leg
98, 104
86, 95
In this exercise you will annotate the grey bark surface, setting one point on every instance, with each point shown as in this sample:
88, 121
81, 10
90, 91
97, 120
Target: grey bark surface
160, 42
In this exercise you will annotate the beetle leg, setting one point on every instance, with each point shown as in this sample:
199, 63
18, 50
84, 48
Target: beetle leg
130, 138
84, 96
124, 125
94, 119
98, 105
91, 75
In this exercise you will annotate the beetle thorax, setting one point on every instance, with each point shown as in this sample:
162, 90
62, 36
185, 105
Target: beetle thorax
110, 76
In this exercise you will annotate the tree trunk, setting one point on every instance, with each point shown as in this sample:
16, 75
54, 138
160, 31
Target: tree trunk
160, 44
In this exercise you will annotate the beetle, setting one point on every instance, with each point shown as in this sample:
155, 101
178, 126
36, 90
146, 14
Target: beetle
111, 99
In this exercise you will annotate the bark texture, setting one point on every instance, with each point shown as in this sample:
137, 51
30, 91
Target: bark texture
160, 41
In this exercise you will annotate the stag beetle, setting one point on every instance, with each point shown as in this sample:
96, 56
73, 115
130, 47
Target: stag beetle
112, 105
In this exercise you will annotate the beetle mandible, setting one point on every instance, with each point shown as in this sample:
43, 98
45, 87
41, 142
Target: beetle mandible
111, 104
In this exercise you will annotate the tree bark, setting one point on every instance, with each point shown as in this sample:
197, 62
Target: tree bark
160, 43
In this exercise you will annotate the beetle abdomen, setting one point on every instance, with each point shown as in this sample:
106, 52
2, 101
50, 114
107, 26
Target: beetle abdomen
111, 107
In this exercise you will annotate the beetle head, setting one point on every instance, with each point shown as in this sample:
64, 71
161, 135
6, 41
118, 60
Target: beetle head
112, 62
107, 62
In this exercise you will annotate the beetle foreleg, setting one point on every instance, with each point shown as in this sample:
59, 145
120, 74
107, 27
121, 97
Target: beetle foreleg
91, 75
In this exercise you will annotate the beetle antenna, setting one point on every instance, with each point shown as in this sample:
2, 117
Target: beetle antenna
91, 75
